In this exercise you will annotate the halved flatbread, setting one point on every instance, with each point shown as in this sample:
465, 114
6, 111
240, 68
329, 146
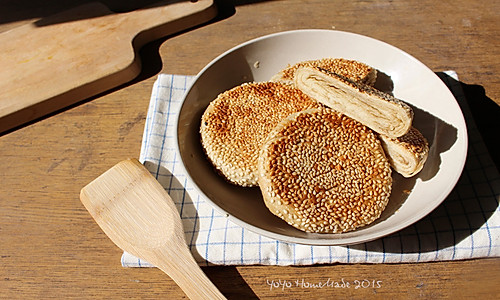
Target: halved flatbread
380, 111
408, 153
352, 69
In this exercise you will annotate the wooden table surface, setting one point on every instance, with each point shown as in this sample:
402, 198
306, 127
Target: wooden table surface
51, 247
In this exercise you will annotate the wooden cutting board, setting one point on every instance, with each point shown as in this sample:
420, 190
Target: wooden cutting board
60, 60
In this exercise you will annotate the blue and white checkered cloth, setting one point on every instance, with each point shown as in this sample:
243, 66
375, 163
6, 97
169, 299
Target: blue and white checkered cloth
466, 225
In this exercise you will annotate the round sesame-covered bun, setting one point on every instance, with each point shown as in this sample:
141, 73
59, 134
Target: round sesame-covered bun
235, 125
324, 172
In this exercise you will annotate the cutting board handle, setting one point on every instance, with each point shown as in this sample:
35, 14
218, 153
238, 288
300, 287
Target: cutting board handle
177, 14
60, 60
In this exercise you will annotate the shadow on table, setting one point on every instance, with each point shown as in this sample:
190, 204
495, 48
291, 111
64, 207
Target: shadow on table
230, 282
486, 115
21, 10
475, 197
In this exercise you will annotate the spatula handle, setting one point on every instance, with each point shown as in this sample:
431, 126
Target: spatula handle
184, 270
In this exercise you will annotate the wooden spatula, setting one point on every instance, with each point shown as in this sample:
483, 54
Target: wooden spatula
65, 58
139, 216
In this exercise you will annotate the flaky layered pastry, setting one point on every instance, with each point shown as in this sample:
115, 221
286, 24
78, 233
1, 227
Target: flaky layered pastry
380, 111
352, 69
408, 153
324, 172
235, 125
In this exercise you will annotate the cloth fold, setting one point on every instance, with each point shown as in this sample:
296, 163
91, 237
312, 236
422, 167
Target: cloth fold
466, 225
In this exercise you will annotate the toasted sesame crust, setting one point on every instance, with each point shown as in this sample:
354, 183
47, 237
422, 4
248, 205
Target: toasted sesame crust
324, 172
407, 154
352, 69
380, 111
235, 125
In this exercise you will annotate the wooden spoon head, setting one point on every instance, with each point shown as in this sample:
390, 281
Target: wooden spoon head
133, 209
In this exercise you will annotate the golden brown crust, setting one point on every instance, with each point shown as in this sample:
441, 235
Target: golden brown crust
323, 172
236, 123
352, 69
408, 153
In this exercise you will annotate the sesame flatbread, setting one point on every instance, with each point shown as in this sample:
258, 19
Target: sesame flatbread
235, 125
323, 172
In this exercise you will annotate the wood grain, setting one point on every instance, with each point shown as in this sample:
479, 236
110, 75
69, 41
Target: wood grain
51, 247
62, 59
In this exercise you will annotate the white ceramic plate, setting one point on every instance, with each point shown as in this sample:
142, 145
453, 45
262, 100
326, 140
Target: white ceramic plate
437, 116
